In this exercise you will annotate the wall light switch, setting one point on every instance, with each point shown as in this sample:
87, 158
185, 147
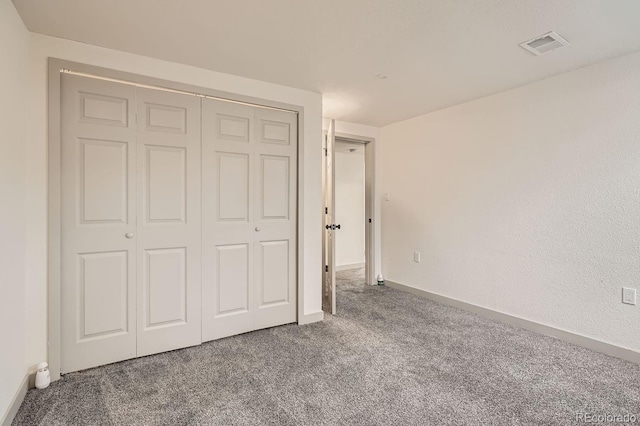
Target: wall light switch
387, 196
629, 295
416, 256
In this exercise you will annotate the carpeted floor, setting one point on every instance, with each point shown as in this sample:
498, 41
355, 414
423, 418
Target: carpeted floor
387, 358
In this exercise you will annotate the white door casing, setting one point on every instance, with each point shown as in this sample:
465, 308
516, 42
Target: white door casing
369, 202
249, 158
98, 202
168, 232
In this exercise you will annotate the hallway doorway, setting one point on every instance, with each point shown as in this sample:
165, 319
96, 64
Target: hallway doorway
348, 232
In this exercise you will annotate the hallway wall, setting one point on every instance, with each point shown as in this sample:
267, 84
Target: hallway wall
350, 243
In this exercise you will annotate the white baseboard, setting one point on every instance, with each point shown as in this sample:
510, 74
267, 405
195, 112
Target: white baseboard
16, 402
311, 318
567, 336
348, 266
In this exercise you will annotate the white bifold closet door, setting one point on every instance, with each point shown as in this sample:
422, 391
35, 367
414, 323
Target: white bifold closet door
130, 206
98, 207
249, 204
169, 229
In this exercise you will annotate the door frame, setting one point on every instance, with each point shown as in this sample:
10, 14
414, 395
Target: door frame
55, 69
370, 202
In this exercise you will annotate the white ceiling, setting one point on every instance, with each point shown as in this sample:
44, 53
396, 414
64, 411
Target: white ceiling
436, 53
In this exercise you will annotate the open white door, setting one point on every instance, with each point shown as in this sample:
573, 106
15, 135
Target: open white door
329, 254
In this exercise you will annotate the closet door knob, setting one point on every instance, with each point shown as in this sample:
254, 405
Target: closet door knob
129, 235
257, 229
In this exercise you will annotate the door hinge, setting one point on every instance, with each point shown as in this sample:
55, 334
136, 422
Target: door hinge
326, 268
326, 211
369, 220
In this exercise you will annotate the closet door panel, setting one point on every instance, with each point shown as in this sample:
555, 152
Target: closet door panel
249, 218
169, 227
227, 208
275, 243
98, 177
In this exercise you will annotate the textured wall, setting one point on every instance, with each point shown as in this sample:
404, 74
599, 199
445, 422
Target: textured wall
14, 45
526, 202
349, 198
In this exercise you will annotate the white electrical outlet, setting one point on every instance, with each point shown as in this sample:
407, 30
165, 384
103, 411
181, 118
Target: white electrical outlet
416, 256
629, 295
387, 196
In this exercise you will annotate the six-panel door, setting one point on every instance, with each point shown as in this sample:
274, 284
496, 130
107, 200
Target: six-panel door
249, 218
134, 278
98, 207
168, 211
275, 246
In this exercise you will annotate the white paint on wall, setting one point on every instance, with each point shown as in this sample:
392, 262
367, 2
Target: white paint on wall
14, 45
525, 202
349, 205
42, 47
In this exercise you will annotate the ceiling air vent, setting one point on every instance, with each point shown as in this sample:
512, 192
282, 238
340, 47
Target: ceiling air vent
544, 44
